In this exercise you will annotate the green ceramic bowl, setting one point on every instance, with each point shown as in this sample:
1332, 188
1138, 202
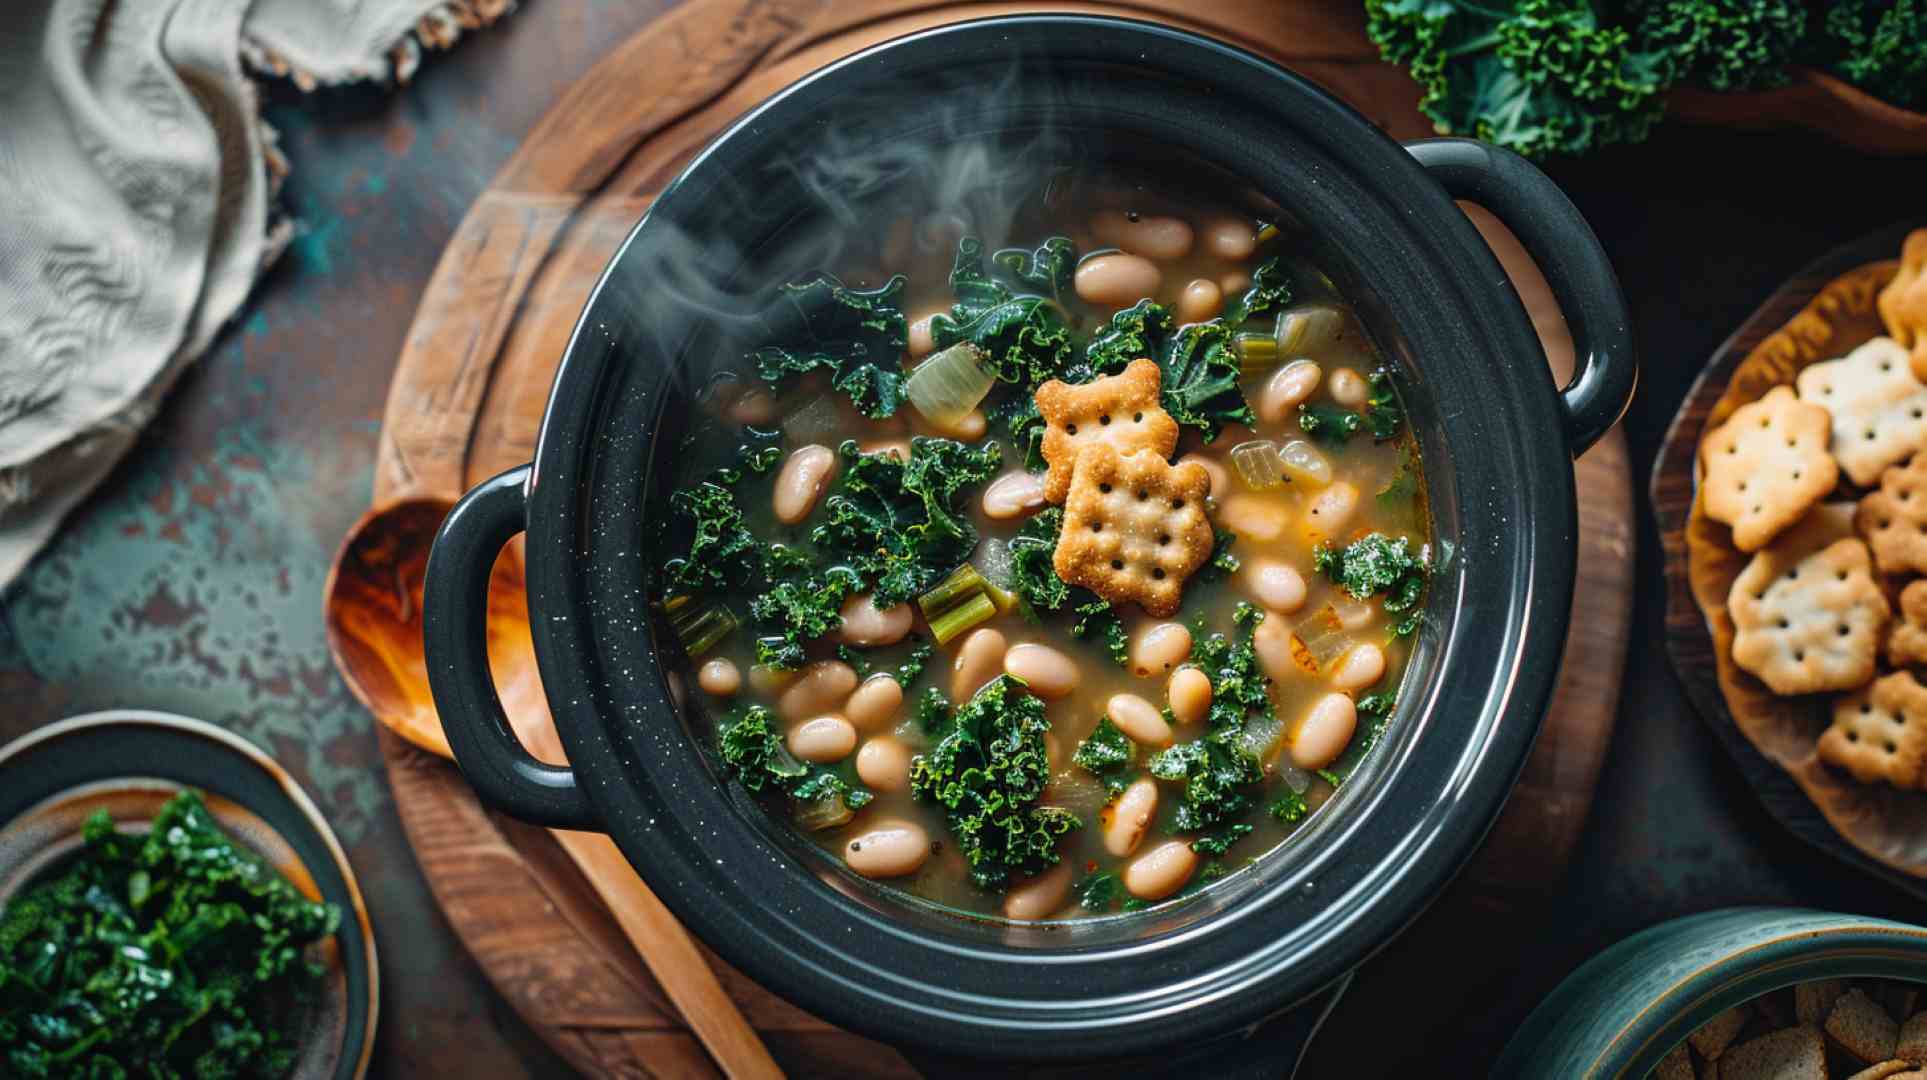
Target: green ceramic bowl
1625, 1008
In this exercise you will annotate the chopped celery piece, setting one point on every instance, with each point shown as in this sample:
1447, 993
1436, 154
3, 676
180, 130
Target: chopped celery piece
825, 813
1266, 232
1005, 600
1321, 637
1303, 464
1257, 353
961, 617
951, 591
699, 627
1309, 330
1259, 464
946, 387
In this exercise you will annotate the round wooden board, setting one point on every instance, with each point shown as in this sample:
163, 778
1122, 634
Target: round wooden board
1689, 643
499, 309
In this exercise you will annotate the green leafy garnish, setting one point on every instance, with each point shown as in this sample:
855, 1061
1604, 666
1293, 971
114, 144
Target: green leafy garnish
1025, 339
1377, 564
1289, 807
1035, 580
1221, 839
1108, 755
858, 336
721, 548
1877, 45
752, 746
171, 955
987, 768
1383, 414
1219, 773
1199, 386
1270, 288
1049, 268
901, 526
798, 605
1328, 424
1098, 892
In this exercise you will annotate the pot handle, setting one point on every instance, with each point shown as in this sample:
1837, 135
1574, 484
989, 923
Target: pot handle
1582, 278
455, 642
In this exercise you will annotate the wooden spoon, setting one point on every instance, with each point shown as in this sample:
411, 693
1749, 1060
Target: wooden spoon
372, 601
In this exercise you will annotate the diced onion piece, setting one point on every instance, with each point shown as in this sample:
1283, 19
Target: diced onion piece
948, 386
819, 814
699, 626
1323, 636
1259, 464
1309, 329
1262, 736
959, 618
1297, 779
1257, 353
1303, 464
1352, 614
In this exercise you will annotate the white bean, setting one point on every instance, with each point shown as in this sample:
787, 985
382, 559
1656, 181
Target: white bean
1038, 897
1156, 237
1331, 508
888, 849
1348, 388
921, 343
883, 764
1230, 238
755, 408
875, 703
1139, 720
1289, 388
1275, 585
1117, 280
1201, 300
1352, 614
865, 624
1049, 673
822, 686
1161, 871
1235, 283
823, 740
970, 428
1127, 818
1362, 666
899, 447
979, 659
1189, 693
1220, 479
1159, 649
1272, 642
801, 483
1323, 731
1013, 494
1254, 517
720, 678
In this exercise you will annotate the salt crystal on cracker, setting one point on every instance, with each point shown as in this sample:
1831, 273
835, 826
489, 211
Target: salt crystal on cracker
1879, 409
1134, 527
1766, 466
1120, 411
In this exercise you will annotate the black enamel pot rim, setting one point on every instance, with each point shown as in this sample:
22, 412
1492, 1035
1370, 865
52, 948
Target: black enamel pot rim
1497, 438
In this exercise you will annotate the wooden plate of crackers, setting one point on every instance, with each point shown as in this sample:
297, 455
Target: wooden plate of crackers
1792, 500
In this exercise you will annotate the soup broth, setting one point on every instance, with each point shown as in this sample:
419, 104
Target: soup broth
849, 748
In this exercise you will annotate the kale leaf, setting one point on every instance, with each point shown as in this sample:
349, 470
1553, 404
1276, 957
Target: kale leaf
798, 605
1376, 563
1877, 45
1049, 269
1199, 387
1024, 338
1034, 579
1098, 892
1218, 770
1270, 288
1723, 44
176, 954
901, 525
1328, 424
1289, 807
1108, 755
858, 336
987, 768
753, 748
1218, 841
1383, 414
721, 548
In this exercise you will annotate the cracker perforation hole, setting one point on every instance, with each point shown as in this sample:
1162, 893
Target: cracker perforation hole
1117, 564
1104, 488
1137, 418
1070, 429
1157, 572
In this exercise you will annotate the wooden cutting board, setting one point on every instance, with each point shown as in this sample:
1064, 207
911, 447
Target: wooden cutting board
506, 295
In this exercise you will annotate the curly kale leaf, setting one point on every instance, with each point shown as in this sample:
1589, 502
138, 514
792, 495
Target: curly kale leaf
1098, 618
1025, 338
1289, 807
1219, 840
1107, 755
1377, 564
1034, 579
1199, 387
721, 548
1541, 77
1048, 269
901, 525
1098, 892
1025, 423
1270, 288
1722, 44
933, 711
171, 955
1878, 45
858, 336
1223, 563
798, 605
1328, 424
1383, 414
987, 768
1219, 771
753, 748
824, 785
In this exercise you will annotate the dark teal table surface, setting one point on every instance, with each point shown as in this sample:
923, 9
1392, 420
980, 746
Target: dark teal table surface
192, 581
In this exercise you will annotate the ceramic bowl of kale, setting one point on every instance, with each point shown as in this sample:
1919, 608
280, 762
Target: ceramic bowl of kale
1051, 540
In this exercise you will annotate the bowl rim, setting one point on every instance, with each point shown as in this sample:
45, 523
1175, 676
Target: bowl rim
297, 797
1431, 842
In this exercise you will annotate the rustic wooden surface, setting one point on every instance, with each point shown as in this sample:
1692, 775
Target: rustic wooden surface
491, 327
1689, 642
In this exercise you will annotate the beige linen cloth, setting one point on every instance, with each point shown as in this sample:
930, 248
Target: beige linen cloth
137, 186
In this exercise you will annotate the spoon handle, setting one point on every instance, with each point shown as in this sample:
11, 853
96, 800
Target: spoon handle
672, 957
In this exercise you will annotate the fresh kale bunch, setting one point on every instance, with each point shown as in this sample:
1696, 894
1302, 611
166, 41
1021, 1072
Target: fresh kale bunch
1220, 771
1200, 372
1723, 44
858, 336
987, 768
1877, 45
901, 525
177, 954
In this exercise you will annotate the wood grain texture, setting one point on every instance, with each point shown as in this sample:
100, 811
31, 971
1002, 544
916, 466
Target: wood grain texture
490, 332
1820, 312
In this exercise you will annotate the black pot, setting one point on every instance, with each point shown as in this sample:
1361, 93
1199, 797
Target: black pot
1497, 439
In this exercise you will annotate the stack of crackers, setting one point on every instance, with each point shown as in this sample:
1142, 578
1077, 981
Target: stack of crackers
1134, 524
1824, 485
1860, 1030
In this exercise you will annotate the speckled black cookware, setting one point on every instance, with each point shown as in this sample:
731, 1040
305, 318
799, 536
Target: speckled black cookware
1497, 438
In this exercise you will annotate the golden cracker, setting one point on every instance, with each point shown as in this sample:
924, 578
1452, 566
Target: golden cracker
1119, 410
1879, 409
1858, 1023
1903, 303
1808, 618
1879, 733
1765, 466
1134, 527
1907, 642
1893, 518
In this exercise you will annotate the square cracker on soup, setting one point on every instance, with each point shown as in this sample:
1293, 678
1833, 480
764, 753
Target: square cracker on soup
1120, 411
